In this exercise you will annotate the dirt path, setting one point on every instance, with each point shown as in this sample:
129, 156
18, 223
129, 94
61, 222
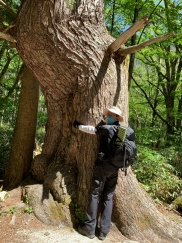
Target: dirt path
18, 226
26, 228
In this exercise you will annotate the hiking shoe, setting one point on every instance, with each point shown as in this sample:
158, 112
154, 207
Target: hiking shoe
102, 236
84, 231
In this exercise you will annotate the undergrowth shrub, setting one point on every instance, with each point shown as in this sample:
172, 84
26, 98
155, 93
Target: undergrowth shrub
6, 133
158, 177
173, 156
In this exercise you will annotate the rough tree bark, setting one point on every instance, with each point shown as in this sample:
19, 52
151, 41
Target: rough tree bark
66, 47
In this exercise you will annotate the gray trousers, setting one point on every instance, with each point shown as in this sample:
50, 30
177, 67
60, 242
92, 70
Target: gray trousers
103, 187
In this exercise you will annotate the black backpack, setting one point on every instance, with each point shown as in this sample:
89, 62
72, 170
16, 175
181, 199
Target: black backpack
124, 148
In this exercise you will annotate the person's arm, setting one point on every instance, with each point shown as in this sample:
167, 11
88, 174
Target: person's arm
84, 128
87, 129
98, 130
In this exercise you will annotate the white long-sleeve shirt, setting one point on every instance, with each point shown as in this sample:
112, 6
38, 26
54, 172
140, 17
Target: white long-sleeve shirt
87, 129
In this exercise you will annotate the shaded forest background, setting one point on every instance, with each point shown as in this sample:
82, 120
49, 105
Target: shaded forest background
155, 92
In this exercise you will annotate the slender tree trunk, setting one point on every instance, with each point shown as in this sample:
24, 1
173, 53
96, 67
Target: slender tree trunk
66, 48
21, 153
179, 120
113, 17
133, 42
169, 101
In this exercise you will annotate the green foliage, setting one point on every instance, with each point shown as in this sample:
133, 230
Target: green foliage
40, 134
8, 111
6, 16
12, 210
70, 4
6, 133
178, 203
173, 157
79, 213
42, 111
41, 119
29, 210
26, 199
120, 14
9, 85
158, 177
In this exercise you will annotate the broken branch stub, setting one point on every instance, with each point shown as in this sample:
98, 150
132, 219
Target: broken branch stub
128, 33
7, 37
135, 48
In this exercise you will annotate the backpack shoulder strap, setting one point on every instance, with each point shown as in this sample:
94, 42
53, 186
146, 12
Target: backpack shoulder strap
121, 135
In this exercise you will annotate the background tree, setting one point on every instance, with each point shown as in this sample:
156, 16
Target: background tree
21, 153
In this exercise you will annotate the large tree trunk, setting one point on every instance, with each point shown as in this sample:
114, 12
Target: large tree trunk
24, 135
67, 51
66, 48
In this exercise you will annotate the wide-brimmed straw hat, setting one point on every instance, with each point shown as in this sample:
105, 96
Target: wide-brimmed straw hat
114, 110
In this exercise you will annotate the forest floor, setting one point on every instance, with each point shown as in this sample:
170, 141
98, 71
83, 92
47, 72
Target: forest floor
18, 226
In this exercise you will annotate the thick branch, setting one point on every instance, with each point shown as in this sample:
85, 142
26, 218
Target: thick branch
135, 48
128, 33
7, 37
7, 8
